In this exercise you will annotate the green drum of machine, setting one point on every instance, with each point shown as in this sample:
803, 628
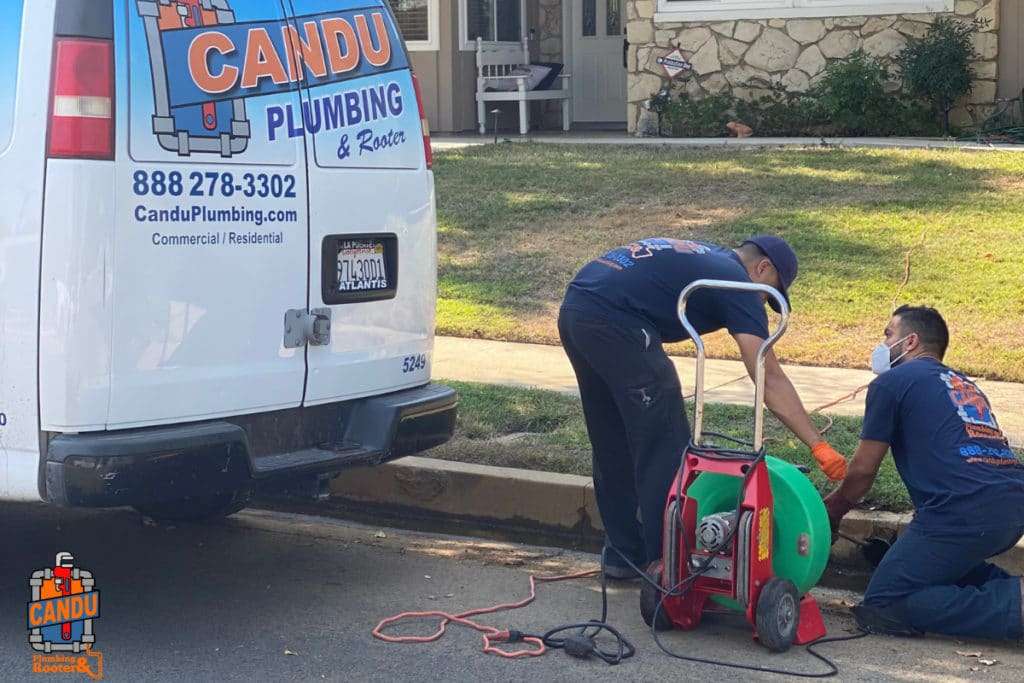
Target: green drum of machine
801, 536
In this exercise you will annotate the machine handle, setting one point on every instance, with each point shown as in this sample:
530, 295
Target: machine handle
698, 407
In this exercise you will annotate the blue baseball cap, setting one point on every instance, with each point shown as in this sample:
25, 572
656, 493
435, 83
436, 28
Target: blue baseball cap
782, 257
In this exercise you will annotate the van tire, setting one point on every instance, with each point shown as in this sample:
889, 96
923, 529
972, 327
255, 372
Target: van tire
198, 508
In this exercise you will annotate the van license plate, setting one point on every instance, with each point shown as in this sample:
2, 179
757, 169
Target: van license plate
362, 266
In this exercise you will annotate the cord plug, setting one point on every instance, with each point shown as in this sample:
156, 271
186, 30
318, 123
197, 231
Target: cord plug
580, 646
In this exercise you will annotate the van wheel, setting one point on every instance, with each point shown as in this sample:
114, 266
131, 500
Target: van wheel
198, 508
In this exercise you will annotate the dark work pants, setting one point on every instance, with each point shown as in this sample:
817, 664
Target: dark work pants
633, 407
939, 582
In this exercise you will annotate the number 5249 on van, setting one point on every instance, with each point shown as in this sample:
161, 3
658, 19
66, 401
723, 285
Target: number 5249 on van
217, 250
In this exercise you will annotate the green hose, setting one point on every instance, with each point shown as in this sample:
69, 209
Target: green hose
798, 512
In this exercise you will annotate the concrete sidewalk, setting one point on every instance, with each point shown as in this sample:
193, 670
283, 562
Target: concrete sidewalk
447, 142
726, 381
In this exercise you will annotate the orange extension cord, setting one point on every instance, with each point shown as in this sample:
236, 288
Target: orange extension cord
491, 634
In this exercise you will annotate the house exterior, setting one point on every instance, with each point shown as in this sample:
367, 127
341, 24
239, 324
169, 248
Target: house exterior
441, 35
611, 48
745, 46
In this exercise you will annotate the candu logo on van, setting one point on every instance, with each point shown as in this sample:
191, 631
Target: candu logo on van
338, 51
207, 66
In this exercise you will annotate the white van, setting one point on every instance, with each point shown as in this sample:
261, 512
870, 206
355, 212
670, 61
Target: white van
217, 250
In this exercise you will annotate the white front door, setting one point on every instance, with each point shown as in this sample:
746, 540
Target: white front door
598, 72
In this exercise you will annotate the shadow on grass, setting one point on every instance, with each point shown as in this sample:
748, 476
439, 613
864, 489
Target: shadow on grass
517, 221
507, 278
504, 184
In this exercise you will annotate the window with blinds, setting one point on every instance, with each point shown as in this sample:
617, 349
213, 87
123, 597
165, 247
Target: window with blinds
413, 18
494, 20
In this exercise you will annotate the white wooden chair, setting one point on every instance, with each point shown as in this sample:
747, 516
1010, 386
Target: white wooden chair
497, 62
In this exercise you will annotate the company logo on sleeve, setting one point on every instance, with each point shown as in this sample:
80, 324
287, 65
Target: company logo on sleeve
972, 406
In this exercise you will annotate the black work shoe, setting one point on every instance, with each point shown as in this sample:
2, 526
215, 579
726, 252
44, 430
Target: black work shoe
616, 573
614, 568
884, 622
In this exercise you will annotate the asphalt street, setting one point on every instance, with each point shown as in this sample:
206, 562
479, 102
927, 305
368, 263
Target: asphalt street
269, 596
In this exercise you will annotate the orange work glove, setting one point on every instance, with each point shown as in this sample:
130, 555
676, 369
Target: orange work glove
831, 462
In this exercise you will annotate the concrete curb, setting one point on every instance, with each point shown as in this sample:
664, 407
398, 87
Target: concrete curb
544, 507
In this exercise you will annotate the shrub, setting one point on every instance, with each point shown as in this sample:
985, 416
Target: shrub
781, 114
913, 118
937, 66
697, 118
853, 98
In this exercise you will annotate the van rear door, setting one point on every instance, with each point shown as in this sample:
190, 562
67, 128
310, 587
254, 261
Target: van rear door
24, 75
372, 221
211, 244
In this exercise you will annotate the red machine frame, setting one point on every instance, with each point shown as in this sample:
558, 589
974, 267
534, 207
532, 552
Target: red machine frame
750, 557
685, 610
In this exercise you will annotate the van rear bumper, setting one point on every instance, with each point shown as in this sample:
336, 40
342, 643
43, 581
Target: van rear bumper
159, 464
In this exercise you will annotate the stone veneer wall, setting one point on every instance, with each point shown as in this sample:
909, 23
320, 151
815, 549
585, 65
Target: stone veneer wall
747, 57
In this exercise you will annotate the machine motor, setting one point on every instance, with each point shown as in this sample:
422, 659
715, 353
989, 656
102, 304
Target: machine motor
715, 530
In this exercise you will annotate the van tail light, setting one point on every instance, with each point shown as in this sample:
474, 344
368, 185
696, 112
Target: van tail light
82, 105
424, 124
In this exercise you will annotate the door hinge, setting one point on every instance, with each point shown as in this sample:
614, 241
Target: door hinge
311, 327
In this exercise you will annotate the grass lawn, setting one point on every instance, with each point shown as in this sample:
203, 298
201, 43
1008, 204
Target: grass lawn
544, 430
516, 221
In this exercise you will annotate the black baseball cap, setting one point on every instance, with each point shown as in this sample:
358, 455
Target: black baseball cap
782, 257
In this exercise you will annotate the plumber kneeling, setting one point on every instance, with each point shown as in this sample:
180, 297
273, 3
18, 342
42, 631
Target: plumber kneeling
966, 484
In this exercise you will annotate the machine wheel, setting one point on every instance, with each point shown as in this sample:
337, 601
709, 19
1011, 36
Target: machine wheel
778, 614
649, 598
199, 508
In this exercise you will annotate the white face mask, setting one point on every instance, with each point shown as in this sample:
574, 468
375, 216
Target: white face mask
880, 361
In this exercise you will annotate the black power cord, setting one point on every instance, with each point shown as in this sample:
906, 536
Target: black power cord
582, 644
685, 584
832, 668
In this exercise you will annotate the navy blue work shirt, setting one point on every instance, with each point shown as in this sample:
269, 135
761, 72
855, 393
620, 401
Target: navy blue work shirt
948, 448
644, 279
